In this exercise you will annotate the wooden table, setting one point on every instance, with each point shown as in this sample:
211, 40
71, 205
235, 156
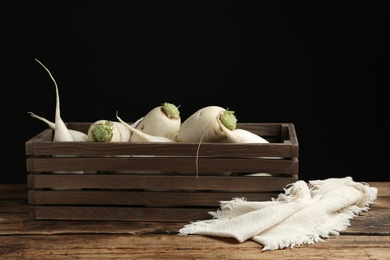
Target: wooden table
368, 237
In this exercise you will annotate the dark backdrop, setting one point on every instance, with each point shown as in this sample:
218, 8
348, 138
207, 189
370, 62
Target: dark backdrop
317, 64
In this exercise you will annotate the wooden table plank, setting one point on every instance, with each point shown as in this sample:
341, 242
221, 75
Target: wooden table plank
175, 247
368, 237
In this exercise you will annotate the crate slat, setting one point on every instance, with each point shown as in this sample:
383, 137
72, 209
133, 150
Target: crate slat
92, 149
172, 214
170, 182
148, 198
161, 164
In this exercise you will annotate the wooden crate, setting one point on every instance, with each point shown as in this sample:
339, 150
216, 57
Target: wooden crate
167, 182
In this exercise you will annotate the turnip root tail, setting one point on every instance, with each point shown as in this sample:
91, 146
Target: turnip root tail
61, 132
77, 135
49, 123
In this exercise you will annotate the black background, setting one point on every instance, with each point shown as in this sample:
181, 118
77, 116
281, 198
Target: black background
318, 64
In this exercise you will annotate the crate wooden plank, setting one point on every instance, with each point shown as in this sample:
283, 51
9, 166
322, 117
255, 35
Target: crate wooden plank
163, 164
119, 213
91, 149
44, 136
139, 198
126, 181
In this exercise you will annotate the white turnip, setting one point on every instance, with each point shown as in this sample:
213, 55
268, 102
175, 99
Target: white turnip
162, 121
144, 137
109, 131
203, 125
103, 131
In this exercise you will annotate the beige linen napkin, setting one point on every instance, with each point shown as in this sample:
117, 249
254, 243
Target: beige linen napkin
304, 214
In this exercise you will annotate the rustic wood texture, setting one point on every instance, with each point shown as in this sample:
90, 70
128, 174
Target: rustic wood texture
137, 198
173, 198
163, 164
368, 237
150, 181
